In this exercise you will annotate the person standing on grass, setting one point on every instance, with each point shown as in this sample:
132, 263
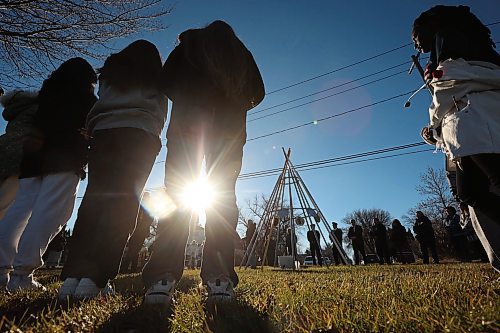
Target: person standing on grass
19, 110
212, 80
379, 234
457, 235
399, 242
191, 254
355, 234
291, 243
125, 127
314, 245
54, 157
425, 236
336, 236
464, 73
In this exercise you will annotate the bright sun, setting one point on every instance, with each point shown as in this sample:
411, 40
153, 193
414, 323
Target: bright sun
198, 195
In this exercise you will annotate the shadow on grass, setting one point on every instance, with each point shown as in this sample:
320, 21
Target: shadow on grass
236, 317
140, 317
23, 308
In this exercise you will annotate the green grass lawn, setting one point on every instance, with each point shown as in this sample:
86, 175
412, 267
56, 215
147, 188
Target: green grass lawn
415, 298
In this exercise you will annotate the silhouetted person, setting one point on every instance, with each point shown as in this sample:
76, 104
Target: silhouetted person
291, 243
314, 245
456, 234
425, 236
399, 242
212, 80
52, 165
136, 241
355, 234
251, 226
125, 126
336, 236
19, 110
379, 234
191, 254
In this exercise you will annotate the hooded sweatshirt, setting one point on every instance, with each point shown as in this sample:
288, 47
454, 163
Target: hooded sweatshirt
19, 111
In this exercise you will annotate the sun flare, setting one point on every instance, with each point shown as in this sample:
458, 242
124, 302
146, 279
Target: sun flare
199, 195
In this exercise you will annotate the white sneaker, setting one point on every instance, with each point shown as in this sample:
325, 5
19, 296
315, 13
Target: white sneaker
24, 282
68, 288
160, 293
88, 289
220, 290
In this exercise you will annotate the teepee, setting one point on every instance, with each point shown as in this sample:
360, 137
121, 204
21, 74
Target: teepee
289, 207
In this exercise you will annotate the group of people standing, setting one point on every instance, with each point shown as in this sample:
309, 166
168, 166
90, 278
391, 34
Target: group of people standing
388, 244
211, 79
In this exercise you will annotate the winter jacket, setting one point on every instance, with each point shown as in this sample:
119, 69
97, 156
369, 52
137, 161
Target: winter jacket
187, 80
355, 234
19, 111
452, 225
57, 143
423, 230
473, 128
379, 233
398, 237
145, 109
313, 237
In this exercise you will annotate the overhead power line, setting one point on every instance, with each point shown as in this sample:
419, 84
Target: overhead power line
342, 163
328, 96
341, 158
351, 65
252, 112
315, 122
339, 69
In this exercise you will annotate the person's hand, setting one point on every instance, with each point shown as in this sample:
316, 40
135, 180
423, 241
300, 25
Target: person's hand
431, 73
426, 134
428, 73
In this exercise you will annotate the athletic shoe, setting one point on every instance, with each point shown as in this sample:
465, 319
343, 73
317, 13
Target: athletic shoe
160, 293
68, 288
87, 289
220, 290
23, 282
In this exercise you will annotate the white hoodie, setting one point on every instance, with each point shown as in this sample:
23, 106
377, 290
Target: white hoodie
473, 128
144, 109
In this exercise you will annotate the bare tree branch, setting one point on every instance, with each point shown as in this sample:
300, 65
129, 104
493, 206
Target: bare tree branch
36, 35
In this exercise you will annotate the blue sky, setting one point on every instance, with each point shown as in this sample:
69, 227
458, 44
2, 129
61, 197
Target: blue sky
295, 40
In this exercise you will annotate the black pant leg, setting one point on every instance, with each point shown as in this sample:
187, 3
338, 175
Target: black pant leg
475, 179
125, 156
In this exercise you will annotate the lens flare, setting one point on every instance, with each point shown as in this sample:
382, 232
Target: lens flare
198, 195
158, 204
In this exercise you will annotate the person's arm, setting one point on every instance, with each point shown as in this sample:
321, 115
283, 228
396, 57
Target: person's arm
255, 91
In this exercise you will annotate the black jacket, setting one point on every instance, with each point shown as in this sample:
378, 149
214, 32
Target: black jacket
313, 237
190, 79
355, 234
423, 229
338, 235
379, 233
57, 144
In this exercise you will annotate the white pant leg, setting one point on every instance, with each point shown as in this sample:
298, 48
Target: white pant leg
8, 190
488, 232
15, 220
51, 211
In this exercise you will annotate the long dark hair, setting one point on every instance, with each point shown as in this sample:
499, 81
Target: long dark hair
66, 96
217, 51
462, 35
137, 65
